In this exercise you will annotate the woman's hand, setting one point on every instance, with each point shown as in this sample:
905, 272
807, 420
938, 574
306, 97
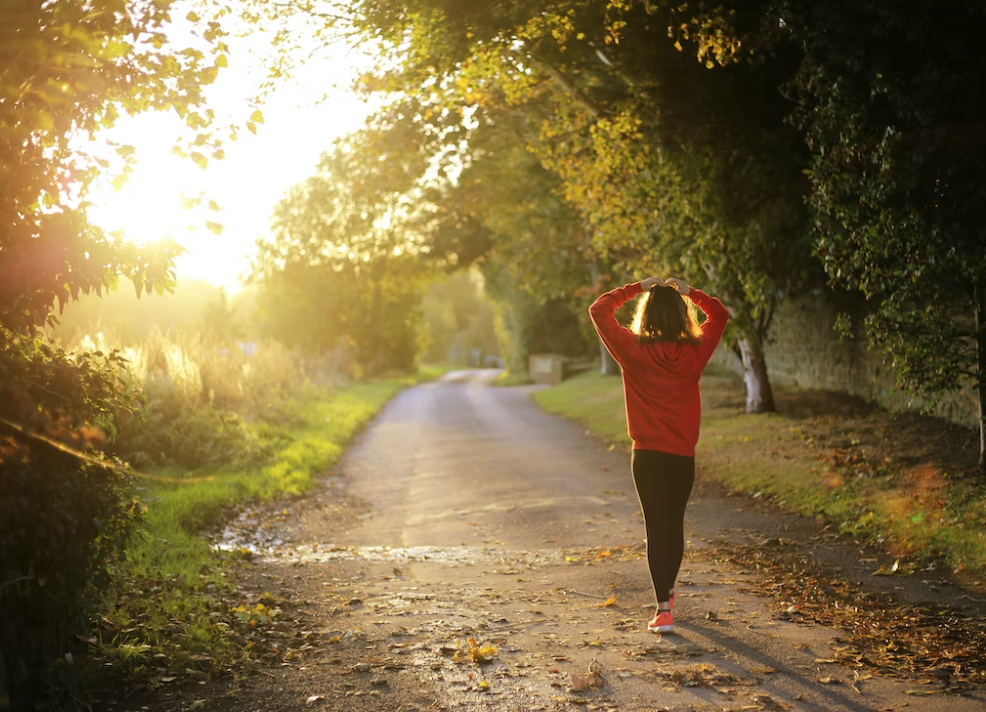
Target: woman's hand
650, 283
683, 289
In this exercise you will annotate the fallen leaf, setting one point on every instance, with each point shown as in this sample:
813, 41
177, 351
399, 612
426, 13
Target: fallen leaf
481, 652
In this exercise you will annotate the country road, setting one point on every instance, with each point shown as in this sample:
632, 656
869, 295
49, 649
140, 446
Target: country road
464, 512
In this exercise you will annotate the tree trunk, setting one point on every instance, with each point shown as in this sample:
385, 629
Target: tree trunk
980, 299
609, 365
759, 395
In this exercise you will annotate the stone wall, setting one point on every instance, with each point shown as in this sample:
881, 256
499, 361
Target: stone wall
805, 351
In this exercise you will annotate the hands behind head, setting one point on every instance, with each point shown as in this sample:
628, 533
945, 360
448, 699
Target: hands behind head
651, 282
680, 285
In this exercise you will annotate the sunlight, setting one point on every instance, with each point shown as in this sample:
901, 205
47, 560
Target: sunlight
168, 196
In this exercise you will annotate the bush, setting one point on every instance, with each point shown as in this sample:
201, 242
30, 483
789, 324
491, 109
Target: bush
62, 515
198, 396
62, 522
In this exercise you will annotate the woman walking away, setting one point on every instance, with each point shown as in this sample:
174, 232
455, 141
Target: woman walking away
662, 356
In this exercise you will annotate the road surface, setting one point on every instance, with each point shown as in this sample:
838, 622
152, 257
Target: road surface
465, 513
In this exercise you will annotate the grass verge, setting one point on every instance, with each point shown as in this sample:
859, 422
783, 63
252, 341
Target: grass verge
168, 614
512, 378
902, 481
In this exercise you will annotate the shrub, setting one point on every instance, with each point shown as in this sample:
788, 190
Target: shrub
62, 515
62, 522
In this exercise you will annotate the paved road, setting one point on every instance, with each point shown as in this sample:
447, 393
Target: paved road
465, 512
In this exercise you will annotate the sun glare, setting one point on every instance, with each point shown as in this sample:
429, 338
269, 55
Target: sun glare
168, 196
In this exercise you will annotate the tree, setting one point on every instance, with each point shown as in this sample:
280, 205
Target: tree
344, 264
689, 167
672, 164
458, 318
892, 108
68, 69
503, 210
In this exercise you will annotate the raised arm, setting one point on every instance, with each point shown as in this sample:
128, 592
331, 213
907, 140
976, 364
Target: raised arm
716, 317
618, 339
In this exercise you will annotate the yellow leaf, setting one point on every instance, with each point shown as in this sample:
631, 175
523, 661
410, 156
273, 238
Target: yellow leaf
611, 601
214, 227
257, 117
192, 17
481, 653
221, 61
200, 160
252, 127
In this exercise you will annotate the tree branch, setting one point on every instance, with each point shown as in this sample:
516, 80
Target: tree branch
569, 88
79, 455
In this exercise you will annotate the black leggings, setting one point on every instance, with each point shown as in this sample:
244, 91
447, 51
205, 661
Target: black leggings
664, 483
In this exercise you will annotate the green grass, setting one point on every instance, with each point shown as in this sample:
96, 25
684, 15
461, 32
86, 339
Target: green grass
841, 466
591, 398
512, 378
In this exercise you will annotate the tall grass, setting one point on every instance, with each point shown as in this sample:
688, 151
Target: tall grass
200, 394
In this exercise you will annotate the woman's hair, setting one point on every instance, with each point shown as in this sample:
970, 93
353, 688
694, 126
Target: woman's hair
663, 315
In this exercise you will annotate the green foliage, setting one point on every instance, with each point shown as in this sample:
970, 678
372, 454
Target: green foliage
661, 162
526, 325
457, 318
67, 70
343, 268
45, 389
60, 516
897, 195
60, 535
199, 395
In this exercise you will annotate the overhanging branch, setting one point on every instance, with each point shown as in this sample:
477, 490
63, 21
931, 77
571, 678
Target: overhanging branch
569, 88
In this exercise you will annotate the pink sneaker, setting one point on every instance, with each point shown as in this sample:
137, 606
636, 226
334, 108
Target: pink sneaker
663, 623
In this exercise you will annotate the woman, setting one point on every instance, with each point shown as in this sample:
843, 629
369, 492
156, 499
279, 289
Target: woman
662, 358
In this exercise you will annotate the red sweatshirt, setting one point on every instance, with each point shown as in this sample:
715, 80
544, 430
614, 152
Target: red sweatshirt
660, 380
